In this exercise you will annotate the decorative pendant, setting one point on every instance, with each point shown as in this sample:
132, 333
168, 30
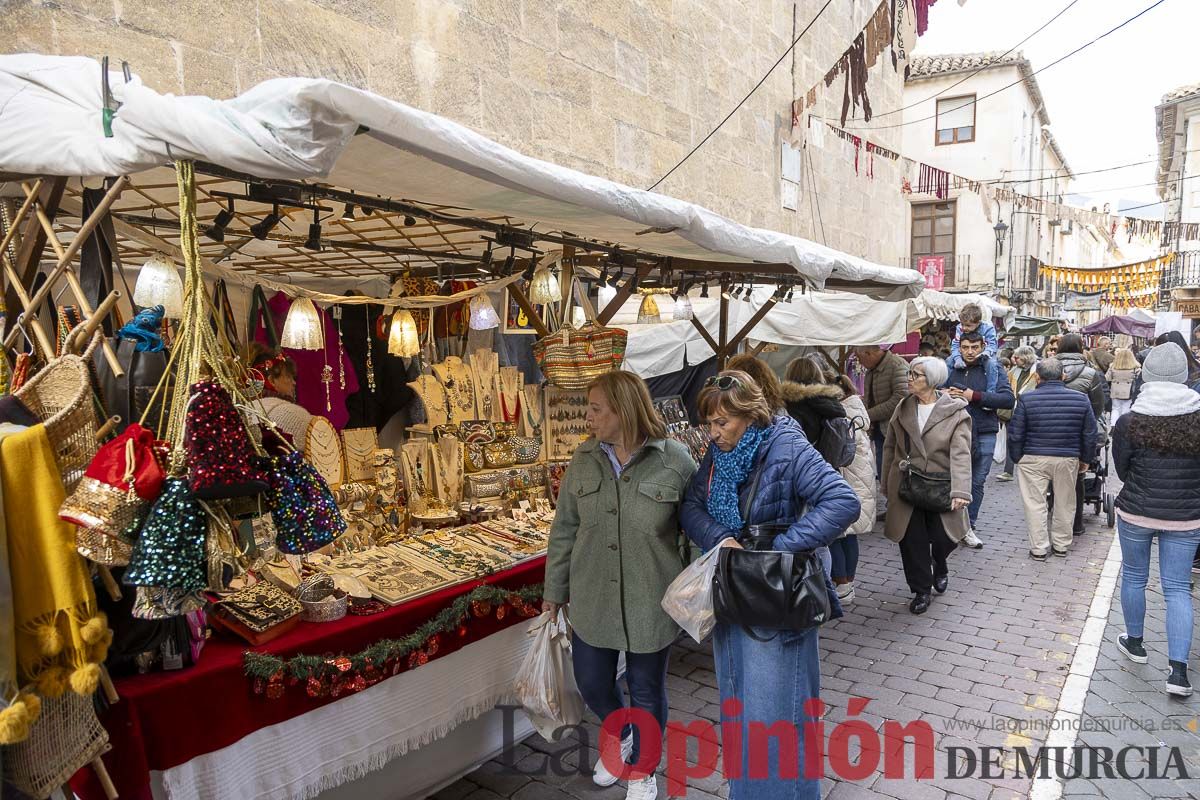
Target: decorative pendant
370, 348
337, 314
327, 379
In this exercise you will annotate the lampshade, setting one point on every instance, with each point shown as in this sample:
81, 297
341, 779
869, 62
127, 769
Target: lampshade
683, 307
159, 284
483, 313
544, 287
403, 340
578, 319
605, 295
648, 313
302, 330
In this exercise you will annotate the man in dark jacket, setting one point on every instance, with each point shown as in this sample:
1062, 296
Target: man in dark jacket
1082, 377
1052, 437
886, 386
985, 387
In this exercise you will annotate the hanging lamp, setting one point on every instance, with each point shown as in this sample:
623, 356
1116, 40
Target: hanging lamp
159, 284
302, 330
483, 313
544, 289
605, 295
402, 339
683, 307
648, 313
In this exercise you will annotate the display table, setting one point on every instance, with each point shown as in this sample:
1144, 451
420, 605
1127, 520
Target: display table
189, 719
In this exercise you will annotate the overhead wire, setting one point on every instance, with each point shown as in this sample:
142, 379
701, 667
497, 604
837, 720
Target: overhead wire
742, 102
1022, 79
970, 75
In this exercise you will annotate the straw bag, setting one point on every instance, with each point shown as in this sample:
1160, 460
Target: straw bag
61, 397
572, 358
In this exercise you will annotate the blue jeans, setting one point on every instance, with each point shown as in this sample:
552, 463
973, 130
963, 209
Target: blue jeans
877, 439
645, 674
845, 557
772, 679
1175, 552
983, 447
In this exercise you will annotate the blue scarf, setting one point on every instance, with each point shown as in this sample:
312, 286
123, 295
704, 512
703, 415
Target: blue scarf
730, 471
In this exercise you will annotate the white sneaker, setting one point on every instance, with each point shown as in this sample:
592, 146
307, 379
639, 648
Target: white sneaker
600, 774
845, 592
642, 789
971, 540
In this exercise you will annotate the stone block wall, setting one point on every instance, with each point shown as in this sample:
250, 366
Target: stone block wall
618, 88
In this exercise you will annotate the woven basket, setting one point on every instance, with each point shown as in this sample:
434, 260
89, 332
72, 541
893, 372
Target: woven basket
61, 397
65, 737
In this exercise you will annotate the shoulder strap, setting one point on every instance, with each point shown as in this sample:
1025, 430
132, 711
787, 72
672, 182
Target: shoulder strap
745, 507
224, 324
258, 304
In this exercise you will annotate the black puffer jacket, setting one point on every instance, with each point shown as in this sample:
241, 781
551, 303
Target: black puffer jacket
1158, 485
810, 404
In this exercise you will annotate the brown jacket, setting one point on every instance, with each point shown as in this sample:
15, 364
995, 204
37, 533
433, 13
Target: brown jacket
885, 387
945, 446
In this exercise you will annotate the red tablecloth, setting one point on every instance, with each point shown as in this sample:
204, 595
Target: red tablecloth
165, 719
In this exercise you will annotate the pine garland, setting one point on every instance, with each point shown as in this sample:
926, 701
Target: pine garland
347, 674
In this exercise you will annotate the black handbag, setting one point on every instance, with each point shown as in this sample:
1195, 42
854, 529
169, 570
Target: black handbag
929, 491
757, 587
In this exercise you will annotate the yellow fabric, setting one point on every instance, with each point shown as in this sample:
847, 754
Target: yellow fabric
53, 597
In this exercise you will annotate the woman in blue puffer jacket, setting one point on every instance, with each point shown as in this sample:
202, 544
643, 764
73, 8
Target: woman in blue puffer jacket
770, 673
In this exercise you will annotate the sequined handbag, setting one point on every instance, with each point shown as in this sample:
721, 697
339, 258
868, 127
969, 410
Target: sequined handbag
258, 613
481, 486
499, 454
473, 460
505, 430
528, 449
477, 431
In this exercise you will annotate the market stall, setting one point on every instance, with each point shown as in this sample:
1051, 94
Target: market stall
357, 479
1118, 324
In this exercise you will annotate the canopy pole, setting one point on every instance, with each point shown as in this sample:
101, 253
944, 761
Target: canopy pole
522, 299
723, 332
33, 242
733, 343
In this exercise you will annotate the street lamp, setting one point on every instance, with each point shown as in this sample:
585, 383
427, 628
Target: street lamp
1001, 231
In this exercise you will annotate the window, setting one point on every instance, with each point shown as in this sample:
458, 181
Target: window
956, 119
933, 234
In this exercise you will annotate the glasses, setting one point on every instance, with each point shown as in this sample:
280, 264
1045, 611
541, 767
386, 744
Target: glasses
915, 375
723, 382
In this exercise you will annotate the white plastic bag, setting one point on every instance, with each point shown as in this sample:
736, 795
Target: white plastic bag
688, 600
1000, 455
545, 684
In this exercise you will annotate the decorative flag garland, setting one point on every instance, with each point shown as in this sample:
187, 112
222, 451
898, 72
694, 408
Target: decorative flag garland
1122, 285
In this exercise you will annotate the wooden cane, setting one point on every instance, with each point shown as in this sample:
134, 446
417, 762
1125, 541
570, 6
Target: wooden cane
107, 427
110, 791
110, 691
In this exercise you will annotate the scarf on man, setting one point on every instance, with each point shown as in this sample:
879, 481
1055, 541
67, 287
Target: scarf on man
730, 470
61, 637
1166, 399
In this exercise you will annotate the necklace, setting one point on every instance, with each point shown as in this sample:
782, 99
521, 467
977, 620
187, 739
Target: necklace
337, 314
370, 347
533, 410
515, 414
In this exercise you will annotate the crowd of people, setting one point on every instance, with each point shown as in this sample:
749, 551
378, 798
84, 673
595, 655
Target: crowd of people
801, 465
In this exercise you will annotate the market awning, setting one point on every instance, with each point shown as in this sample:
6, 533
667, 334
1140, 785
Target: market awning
301, 129
1121, 324
1033, 326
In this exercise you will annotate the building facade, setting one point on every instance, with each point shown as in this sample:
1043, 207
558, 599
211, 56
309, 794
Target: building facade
960, 117
1177, 120
622, 89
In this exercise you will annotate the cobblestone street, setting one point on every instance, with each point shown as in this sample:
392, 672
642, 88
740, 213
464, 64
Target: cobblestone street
985, 667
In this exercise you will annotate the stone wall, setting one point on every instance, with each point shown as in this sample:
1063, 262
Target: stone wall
617, 88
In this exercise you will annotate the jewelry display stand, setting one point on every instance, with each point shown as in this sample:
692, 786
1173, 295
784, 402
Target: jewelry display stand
485, 368
533, 410
433, 397
565, 422
448, 459
510, 394
459, 386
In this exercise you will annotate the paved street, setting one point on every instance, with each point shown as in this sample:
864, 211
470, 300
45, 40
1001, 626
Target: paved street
986, 666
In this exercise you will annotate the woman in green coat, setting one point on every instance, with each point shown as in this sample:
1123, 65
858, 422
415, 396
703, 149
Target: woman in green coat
614, 548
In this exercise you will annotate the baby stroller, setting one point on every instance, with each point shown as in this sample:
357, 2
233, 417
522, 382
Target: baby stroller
1094, 493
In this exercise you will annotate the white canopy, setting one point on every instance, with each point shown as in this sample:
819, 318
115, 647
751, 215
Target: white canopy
822, 319
50, 120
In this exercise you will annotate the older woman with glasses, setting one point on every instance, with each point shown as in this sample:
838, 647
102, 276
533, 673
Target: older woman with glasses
931, 432
761, 470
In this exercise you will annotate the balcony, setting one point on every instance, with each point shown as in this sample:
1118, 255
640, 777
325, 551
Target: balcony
958, 269
1184, 272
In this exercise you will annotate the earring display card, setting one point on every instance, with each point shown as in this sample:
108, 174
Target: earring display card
565, 422
673, 413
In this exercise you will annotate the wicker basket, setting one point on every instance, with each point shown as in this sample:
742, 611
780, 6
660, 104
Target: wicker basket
61, 397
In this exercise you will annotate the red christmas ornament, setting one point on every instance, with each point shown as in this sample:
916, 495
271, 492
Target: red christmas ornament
259, 685
431, 646
342, 663
501, 611
422, 658
462, 630
336, 689
274, 690
412, 659
480, 608
292, 680
313, 688
358, 684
